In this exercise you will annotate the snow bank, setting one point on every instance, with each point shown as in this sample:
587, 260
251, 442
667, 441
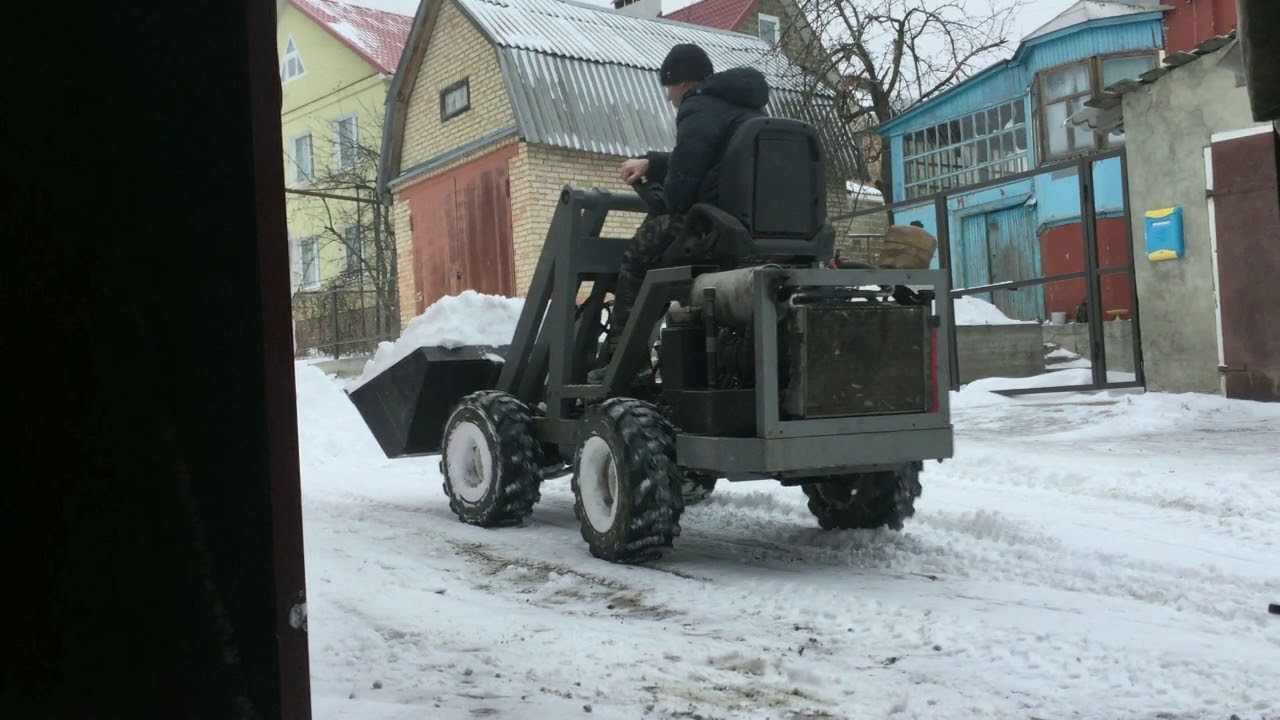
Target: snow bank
974, 311
470, 318
329, 427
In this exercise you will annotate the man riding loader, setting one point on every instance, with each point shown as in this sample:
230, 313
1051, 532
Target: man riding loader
709, 108
769, 366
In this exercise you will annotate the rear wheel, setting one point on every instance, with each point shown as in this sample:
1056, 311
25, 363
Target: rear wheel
626, 484
490, 462
865, 500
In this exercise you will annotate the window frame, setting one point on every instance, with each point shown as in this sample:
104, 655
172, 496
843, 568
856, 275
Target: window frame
311, 241
299, 178
777, 28
338, 156
294, 55
350, 254
1101, 141
463, 84
958, 152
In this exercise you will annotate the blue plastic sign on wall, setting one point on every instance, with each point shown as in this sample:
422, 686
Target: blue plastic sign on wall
1164, 234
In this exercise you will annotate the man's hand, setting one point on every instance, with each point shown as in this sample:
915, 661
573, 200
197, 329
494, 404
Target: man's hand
633, 170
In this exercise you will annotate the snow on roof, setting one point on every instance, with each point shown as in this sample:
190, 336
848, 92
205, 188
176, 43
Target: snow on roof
376, 35
721, 14
1086, 10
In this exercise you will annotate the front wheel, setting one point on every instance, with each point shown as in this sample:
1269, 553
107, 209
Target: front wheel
626, 484
491, 464
865, 500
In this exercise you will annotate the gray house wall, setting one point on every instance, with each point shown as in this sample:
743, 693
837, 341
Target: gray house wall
1168, 124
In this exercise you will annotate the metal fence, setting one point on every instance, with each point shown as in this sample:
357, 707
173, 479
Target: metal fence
1090, 270
342, 321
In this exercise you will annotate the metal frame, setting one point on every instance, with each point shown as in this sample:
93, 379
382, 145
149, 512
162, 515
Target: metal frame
552, 336
1092, 274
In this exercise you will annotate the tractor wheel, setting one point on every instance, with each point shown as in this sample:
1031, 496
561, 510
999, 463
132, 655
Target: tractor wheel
490, 460
865, 500
696, 488
626, 484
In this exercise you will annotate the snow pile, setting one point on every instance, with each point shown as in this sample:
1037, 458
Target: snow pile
329, 427
470, 318
974, 311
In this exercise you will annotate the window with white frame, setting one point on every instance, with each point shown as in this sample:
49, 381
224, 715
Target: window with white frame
293, 68
303, 162
1064, 92
309, 261
353, 246
345, 142
455, 99
768, 29
975, 148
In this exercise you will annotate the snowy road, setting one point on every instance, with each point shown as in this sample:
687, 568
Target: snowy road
1102, 557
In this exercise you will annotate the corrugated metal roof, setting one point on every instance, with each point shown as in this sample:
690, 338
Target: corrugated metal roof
585, 78
619, 110
596, 34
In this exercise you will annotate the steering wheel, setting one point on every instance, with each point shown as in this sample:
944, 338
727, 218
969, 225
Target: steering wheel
650, 191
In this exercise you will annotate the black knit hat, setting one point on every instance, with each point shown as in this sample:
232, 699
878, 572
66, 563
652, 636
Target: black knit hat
685, 63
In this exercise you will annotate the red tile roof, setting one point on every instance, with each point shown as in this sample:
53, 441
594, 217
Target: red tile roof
375, 35
719, 14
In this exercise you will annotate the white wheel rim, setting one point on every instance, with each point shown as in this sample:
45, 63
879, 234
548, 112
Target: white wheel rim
470, 464
598, 483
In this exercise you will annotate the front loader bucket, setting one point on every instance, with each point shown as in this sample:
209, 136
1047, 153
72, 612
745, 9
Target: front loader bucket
407, 405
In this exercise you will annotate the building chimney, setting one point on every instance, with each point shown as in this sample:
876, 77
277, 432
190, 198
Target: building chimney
639, 8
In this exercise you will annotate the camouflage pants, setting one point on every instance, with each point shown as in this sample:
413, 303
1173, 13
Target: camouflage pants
651, 240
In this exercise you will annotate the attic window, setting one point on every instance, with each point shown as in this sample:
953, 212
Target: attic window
767, 26
293, 68
455, 99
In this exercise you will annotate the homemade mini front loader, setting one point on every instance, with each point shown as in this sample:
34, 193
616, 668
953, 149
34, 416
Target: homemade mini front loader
744, 359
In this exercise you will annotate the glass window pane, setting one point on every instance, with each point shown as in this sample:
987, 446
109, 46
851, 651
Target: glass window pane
980, 124
1019, 113
1067, 81
993, 120
1116, 69
1006, 116
1054, 117
966, 128
1084, 137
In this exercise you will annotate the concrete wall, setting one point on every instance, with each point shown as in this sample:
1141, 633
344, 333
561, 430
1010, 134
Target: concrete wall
1117, 338
1011, 351
1168, 124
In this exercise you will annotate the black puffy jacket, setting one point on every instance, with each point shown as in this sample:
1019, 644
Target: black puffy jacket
707, 118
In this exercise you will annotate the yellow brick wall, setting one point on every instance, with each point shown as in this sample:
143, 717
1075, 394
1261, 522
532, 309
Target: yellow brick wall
538, 174
456, 50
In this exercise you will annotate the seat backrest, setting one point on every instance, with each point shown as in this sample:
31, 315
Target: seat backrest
773, 179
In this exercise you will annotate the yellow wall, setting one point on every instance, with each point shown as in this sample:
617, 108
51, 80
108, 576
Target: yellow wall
337, 82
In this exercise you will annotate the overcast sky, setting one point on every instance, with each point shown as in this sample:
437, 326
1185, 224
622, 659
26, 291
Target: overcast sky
1033, 16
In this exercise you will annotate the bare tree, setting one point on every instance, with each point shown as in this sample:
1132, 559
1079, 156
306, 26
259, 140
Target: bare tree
881, 57
340, 201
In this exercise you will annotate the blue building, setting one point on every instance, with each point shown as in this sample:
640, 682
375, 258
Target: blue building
1009, 119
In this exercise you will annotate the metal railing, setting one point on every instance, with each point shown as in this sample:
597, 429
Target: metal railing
343, 321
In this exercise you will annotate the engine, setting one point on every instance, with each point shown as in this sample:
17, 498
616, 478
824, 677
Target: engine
837, 352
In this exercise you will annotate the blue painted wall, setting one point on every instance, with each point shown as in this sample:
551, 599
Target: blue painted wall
1049, 200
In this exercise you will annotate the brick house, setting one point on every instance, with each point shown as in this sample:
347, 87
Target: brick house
496, 106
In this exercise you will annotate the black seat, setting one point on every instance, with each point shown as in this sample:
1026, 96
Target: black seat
773, 201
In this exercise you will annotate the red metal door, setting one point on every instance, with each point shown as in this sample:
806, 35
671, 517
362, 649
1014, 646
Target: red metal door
1246, 204
433, 223
462, 231
483, 258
